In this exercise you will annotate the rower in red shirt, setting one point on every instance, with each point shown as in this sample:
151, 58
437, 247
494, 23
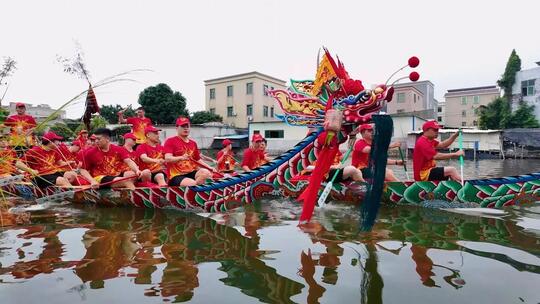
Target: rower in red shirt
225, 157
253, 156
129, 145
82, 138
9, 162
425, 154
151, 156
21, 126
362, 149
182, 157
137, 123
105, 163
46, 160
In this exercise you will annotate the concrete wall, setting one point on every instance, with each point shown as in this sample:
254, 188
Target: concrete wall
291, 135
413, 100
488, 140
459, 114
534, 100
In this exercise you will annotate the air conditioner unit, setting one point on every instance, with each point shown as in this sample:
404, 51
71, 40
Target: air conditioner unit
250, 118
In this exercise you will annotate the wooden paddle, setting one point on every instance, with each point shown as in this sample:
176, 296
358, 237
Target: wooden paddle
404, 163
322, 199
69, 194
207, 167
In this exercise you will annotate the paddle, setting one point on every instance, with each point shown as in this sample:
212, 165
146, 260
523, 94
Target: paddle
404, 163
207, 167
69, 194
460, 141
328, 188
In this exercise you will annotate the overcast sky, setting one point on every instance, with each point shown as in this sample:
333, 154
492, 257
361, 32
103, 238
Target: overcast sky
460, 43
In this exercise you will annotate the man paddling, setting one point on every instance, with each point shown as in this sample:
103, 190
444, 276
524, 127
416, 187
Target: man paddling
48, 163
105, 163
151, 156
425, 153
362, 150
182, 157
253, 156
225, 157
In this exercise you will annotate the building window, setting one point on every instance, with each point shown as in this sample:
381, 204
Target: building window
230, 112
400, 111
256, 132
439, 118
463, 123
212, 93
249, 110
212, 110
249, 88
439, 109
464, 100
476, 99
527, 87
475, 123
274, 133
229, 91
265, 111
414, 96
265, 90
400, 97
272, 112
464, 113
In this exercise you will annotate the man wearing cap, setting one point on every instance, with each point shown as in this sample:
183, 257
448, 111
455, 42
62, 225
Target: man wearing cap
183, 158
21, 126
105, 163
138, 123
9, 162
253, 156
129, 145
151, 156
425, 154
362, 149
225, 157
82, 138
46, 160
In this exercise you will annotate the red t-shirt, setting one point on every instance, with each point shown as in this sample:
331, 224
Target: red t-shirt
177, 147
67, 156
8, 157
152, 152
253, 158
19, 126
423, 154
44, 161
110, 163
360, 159
137, 127
227, 162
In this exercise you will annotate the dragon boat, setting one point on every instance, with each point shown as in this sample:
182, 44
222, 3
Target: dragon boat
308, 103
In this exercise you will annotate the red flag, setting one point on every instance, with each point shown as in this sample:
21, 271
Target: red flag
91, 107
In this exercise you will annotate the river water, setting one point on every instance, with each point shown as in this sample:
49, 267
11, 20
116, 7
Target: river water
88, 254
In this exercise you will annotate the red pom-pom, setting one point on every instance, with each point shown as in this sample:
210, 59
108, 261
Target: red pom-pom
353, 87
414, 76
414, 61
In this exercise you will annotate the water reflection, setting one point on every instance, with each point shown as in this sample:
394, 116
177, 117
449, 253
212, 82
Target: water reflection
162, 252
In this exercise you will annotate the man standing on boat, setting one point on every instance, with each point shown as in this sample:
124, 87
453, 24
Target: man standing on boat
105, 163
362, 149
48, 163
137, 123
425, 153
183, 158
254, 156
151, 156
21, 126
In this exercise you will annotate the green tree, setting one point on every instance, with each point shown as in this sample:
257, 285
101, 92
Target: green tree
523, 117
63, 130
201, 117
97, 122
495, 115
162, 105
509, 77
110, 112
3, 114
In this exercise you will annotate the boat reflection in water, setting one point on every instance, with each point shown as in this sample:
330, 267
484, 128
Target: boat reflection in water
132, 253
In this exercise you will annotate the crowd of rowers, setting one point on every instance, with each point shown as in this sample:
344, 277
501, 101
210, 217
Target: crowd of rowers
143, 161
95, 161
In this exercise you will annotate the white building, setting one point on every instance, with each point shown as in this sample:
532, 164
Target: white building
527, 88
39, 112
441, 110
